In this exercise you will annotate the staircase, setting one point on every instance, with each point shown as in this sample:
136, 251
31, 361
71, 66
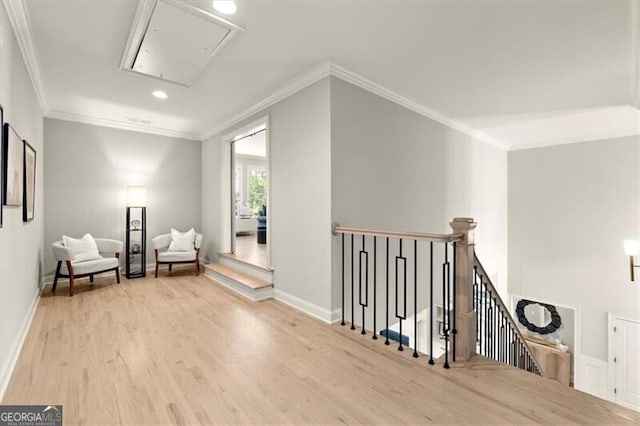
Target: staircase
252, 282
428, 293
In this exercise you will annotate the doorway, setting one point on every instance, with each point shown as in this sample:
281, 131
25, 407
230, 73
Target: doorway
625, 362
249, 176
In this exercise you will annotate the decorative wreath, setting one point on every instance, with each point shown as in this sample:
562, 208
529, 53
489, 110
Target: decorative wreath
549, 328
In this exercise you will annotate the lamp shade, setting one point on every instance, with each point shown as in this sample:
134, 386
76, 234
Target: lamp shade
136, 196
631, 247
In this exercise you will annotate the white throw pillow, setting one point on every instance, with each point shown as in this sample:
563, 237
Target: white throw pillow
182, 241
82, 249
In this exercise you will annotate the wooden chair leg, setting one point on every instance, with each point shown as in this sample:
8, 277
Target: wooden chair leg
156, 269
55, 279
70, 269
170, 267
197, 267
91, 278
118, 274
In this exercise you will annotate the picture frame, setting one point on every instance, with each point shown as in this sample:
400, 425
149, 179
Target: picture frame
29, 184
13, 153
1, 160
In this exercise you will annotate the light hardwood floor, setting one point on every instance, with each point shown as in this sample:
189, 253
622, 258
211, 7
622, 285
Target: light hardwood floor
248, 250
181, 349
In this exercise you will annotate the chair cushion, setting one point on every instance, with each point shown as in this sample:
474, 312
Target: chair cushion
177, 256
182, 241
82, 249
90, 266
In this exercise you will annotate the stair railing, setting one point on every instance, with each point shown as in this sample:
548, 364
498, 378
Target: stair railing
498, 336
401, 267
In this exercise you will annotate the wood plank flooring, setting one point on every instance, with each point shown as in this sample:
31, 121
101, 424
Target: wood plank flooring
185, 350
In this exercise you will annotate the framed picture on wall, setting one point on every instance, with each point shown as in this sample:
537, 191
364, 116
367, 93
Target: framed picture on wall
1, 159
28, 206
13, 153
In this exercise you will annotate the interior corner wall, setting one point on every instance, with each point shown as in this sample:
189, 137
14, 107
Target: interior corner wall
299, 212
570, 208
21, 244
394, 169
87, 172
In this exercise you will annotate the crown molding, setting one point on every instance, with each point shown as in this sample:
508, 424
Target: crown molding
395, 97
123, 125
577, 139
329, 68
309, 77
21, 24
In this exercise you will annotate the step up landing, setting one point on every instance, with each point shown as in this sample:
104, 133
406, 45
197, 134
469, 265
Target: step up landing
248, 285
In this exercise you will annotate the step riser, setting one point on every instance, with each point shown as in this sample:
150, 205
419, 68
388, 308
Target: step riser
247, 269
251, 294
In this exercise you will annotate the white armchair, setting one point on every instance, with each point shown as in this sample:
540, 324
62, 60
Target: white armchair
165, 257
72, 269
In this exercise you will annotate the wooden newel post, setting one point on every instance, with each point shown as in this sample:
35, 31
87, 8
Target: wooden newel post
465, 317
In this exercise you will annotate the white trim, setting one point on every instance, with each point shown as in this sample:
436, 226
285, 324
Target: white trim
327, 68
311, 309
14, 352
21, 24
117, 124
255, 295
591, 376
395, 97
576, 139
306, 79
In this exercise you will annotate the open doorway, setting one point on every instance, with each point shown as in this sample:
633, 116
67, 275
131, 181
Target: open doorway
249, 196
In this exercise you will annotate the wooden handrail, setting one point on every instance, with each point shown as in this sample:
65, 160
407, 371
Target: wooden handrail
419, 236
481, 271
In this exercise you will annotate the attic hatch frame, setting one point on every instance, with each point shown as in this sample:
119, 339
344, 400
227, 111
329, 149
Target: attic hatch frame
140, 25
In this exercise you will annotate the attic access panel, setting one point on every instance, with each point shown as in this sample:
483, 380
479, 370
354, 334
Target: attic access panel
175, 41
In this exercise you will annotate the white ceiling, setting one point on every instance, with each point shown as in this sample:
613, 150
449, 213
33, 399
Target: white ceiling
524, 73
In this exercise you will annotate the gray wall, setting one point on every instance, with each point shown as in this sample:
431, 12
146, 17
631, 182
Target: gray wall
87, 172
394, 169
21, 245
570, 208
300, 178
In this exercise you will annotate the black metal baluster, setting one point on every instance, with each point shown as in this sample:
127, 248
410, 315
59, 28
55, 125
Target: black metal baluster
431, 313
375, 288
490, 326
386, 330
415, 298
342, 323
454, 331
364, 305
353, 297
445, 306
404, 292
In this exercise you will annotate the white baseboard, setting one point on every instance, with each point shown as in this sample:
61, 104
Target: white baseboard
318, 312
16, 348
591, 376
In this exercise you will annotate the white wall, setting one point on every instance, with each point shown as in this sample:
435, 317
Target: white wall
88, 170
394, 169
21, 244
300, 178
570, 208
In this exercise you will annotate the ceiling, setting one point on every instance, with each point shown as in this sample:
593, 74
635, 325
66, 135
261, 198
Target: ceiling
519, 73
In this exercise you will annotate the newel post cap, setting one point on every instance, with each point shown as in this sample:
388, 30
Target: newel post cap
464, 226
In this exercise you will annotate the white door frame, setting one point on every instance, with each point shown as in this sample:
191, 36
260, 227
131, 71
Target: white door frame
226, 193
611, 371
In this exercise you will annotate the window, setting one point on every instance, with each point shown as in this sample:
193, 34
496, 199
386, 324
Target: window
257, 189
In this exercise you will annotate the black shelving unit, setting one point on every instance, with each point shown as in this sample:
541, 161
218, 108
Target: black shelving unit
136, 242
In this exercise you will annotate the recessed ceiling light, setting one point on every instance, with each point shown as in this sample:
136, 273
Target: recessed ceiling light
228, 7
160, 94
